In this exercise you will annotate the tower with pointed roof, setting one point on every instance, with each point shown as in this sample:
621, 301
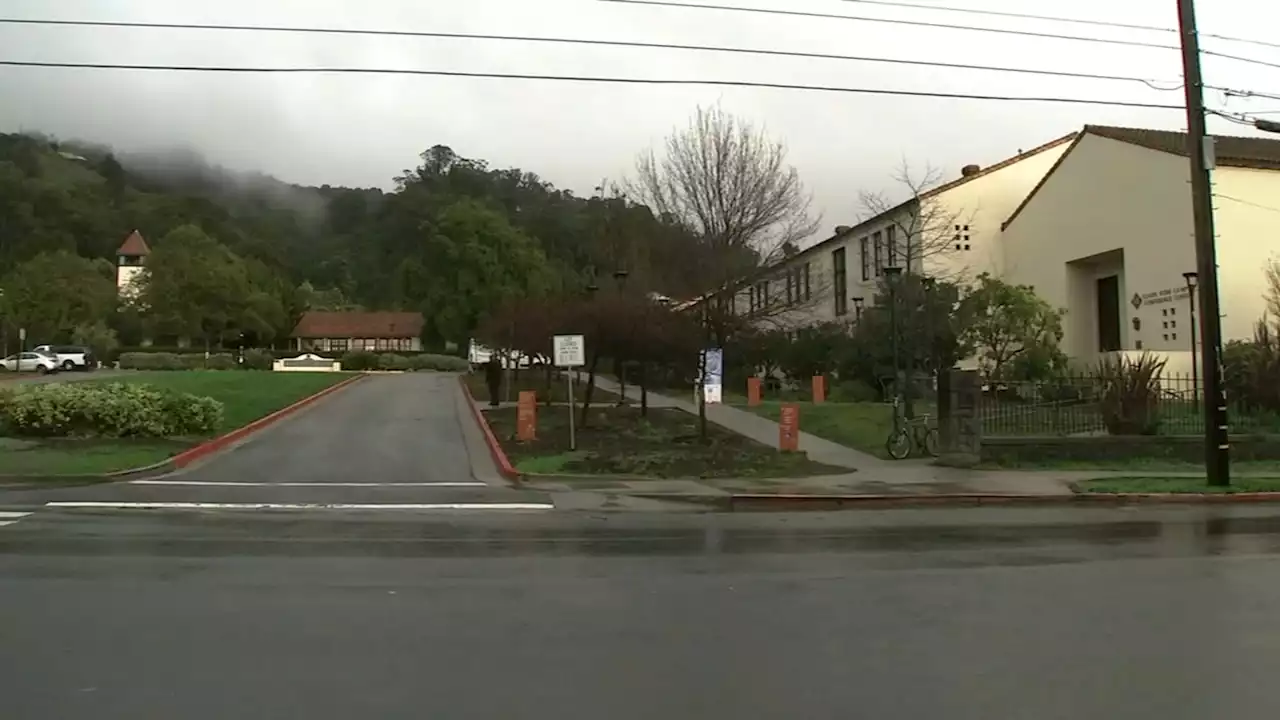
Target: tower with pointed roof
131, 259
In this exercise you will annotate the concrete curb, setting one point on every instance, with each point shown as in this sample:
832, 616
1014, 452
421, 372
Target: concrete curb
186, 457
505, 469
765, 502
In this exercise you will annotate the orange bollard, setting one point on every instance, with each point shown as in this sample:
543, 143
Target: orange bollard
527, 416
819, 388
789, 428
753, 391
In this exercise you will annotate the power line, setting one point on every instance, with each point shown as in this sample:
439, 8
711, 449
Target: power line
1055, 18
938, 25
585, 79
574, 41
1246, 202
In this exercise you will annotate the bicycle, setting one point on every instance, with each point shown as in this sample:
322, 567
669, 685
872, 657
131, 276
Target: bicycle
906, 435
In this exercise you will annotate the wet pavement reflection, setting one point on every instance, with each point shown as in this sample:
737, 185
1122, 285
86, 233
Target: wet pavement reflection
1164, 613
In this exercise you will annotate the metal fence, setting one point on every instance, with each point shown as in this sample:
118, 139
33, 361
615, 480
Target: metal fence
1083, 406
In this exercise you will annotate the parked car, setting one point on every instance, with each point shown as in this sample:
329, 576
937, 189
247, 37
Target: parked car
42, 363
70, 357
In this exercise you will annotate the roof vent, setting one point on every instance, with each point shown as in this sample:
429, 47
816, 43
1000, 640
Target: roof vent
969, 170
842, 229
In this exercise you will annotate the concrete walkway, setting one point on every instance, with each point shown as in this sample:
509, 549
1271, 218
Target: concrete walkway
870, 475
760, 429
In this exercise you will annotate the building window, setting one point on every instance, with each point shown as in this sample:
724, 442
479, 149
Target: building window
866, 259
961, 238
891, 240
765, 300
807, 289
337, 344
841, 281
791, 287
877, 246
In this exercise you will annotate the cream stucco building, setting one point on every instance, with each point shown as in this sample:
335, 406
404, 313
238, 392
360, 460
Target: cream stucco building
1098, 222
1107, 236
950, 230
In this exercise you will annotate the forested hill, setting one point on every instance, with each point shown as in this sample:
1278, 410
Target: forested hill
454, 239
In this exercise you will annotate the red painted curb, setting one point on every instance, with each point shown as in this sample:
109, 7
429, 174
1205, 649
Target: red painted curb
186, 457
505, 468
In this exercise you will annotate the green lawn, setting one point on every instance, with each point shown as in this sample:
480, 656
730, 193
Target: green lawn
1179, 485
861, 426
246, 396
666, 444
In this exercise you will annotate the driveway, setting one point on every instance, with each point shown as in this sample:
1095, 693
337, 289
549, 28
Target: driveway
386, 440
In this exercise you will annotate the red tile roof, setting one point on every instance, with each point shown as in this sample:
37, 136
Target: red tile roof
359, 325
134, 246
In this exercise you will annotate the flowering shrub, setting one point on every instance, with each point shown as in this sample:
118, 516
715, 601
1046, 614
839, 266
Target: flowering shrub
106, 410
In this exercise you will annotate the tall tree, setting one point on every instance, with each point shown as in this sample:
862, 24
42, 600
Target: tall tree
468, 260
194, 287
927, 235
728, 185
1014, 331
53, 293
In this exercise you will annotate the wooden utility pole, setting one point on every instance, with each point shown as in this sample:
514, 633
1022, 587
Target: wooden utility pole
1200, 151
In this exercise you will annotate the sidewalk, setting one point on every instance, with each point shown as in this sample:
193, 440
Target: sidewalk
760, 429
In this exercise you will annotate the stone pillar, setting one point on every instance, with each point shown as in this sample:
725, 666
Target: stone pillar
960, 428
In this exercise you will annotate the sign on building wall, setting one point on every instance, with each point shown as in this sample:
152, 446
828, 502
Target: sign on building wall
1159, 297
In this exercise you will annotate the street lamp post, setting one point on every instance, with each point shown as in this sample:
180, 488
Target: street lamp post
891, 274
620, 276
1191, 278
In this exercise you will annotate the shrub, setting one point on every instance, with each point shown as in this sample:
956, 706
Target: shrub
1129, 394
358, 360
151, 361
221, 361
1252, 371
391, 361
107, 410
441, 363
255, 359
853, 391
173, 361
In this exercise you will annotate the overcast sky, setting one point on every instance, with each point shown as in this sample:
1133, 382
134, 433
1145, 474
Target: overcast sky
363, 129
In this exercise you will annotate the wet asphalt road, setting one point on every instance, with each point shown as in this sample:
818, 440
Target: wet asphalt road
957, 614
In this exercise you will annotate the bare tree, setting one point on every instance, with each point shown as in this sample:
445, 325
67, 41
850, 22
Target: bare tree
1273, 290
728, 185
926, 232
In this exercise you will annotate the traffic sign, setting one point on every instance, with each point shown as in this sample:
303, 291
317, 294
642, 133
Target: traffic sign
570, 350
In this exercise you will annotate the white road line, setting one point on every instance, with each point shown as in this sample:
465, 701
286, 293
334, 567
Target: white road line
299, 506
209, 483
9, 518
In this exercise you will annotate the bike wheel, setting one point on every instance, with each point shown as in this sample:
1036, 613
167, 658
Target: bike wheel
931, 442
898, 445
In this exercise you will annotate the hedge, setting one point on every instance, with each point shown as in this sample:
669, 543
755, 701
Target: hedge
173, 361
110, 410
364, 360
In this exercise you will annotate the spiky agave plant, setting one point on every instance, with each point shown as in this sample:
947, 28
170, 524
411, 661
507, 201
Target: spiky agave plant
1129, 393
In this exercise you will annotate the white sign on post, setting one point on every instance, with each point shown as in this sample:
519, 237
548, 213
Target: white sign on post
570, 350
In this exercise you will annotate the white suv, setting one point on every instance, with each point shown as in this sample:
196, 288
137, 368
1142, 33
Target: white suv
31, 361
69, 357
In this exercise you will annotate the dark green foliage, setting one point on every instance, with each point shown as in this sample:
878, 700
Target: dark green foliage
1252, 371
244, 255
1129, 394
